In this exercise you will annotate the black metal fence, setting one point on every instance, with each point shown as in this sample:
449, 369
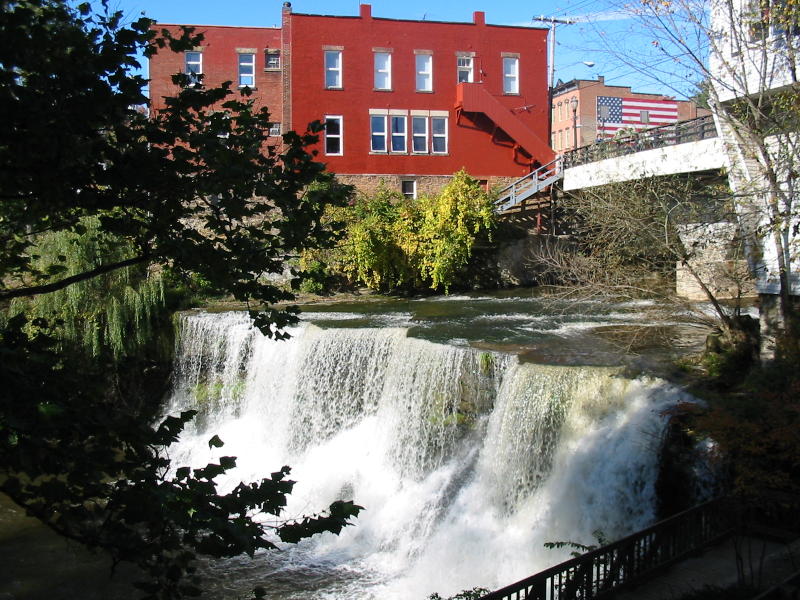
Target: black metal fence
631, 559
669, 135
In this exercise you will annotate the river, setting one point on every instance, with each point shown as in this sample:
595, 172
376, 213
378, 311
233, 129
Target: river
473, 429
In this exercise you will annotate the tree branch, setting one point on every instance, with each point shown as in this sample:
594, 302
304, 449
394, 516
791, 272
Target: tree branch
67, 281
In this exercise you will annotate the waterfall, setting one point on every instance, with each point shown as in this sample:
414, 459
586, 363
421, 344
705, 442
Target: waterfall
466, 461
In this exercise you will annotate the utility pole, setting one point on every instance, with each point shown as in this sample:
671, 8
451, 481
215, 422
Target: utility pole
552, 66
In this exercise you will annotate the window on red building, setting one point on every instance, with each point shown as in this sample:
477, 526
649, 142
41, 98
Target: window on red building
272, 60
419, 135
383, 71
247, 69
333, 69
510, 75
334, 139
439, 135
193, 66
398, 134
464, 69
377, 125
424, 64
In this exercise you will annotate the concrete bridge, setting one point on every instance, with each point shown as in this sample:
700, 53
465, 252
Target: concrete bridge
686, 147
701, 145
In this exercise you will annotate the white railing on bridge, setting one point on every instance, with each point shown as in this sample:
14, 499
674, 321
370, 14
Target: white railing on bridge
649, 139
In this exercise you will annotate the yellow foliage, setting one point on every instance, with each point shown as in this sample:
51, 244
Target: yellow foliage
393, 242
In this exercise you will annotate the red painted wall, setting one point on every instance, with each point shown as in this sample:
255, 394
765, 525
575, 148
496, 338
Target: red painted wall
220, 64
470, 146
298, 95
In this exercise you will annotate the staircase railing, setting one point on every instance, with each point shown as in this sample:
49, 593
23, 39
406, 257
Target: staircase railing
631, 559
525, 187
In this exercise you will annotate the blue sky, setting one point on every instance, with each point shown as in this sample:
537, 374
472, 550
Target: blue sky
602, 34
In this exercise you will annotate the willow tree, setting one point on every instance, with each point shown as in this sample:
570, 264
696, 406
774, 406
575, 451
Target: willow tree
193, 187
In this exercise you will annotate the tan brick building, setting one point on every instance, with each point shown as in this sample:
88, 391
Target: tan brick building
581, 115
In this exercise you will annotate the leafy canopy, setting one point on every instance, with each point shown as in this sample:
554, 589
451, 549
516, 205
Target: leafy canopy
92, 185
194, 186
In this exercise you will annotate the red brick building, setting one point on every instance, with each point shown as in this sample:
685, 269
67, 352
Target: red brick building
409, 102
580, 111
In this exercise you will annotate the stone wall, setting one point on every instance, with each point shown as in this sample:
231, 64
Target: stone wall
717, 260
425, 184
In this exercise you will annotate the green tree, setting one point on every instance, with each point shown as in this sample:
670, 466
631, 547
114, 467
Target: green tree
372, 247
449, 224
193, 188
394, 243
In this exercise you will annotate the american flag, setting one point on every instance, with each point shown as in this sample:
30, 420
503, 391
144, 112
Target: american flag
614, 114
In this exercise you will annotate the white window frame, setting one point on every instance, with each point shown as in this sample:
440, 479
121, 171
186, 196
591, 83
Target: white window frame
275, 129
271, 54
419, 136
339, 136
441, 136
400, 135
188, 62
413, 182
467, 67
334, 70
423, 69
373, 133
511, 75
251, 64
382, 72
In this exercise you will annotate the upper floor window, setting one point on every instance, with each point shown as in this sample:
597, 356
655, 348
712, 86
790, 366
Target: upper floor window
334, 135
383, 71
193, 65
275, 129
247, 69
464, 69
424, 67
768, 18
333, 69
511, 75
272, 60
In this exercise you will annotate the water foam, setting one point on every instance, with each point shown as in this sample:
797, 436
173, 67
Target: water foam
466, 461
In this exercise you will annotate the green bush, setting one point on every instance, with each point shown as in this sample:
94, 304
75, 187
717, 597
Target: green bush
394, 243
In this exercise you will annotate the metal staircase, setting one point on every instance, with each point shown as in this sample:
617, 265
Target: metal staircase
529, 185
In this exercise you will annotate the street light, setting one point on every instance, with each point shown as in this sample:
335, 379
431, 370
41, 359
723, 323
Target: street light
574, 104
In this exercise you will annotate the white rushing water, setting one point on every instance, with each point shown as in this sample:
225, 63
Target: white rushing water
467, 462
